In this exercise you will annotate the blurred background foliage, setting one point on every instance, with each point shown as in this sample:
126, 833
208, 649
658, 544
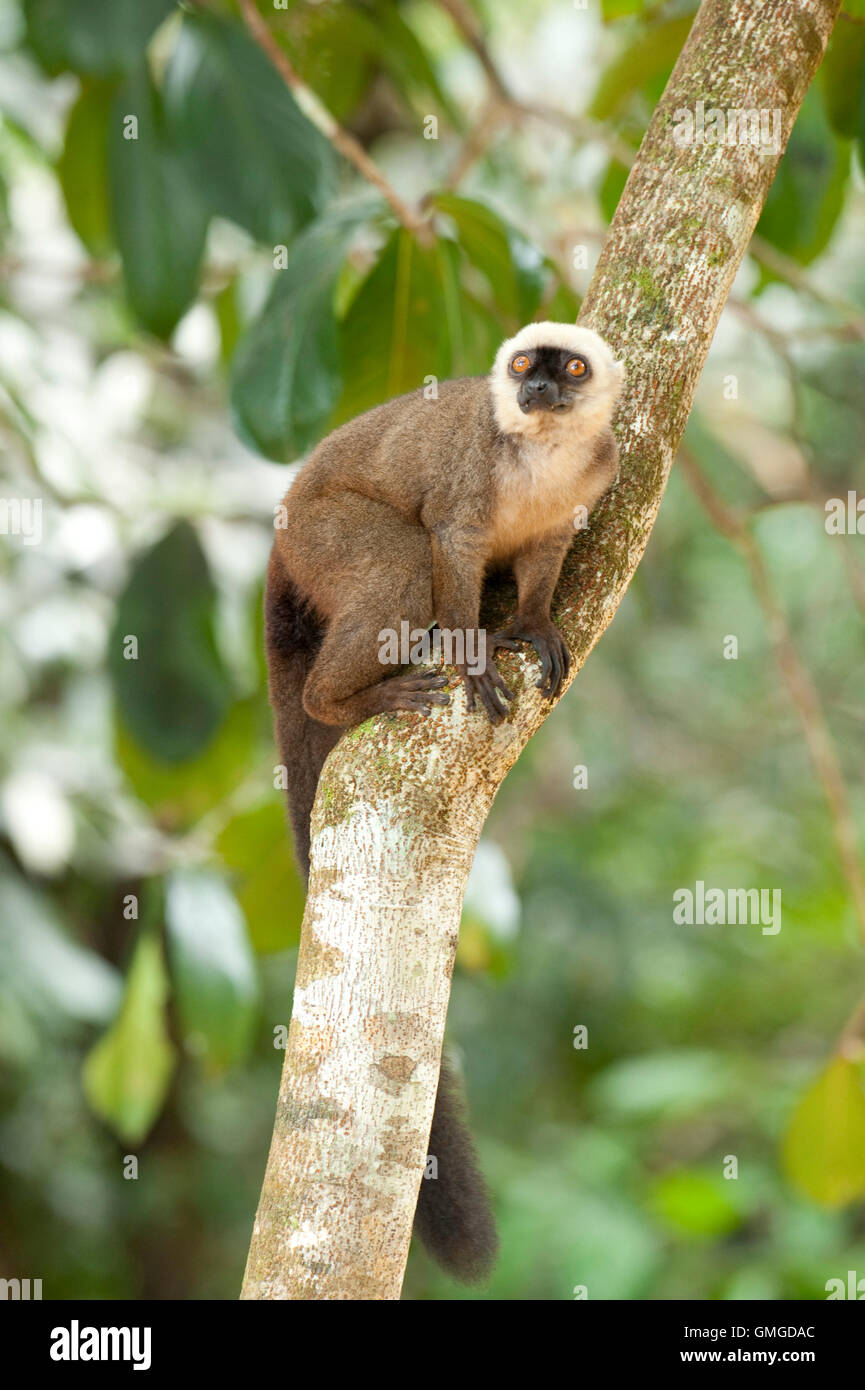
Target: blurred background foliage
228, 265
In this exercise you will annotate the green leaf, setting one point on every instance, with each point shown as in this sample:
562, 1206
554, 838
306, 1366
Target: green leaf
481, 337
174, 694
806, 198
286, 376
649, 60
514, 268
563, 306
56, 975
180, 793
127, 1074
83, 166
856, 8
824, 1149
615, 9
98, 37
212, 967
252, 154
228, 316
697, 1203
256, 847
403, 325
159, 223
678, 1083
404, 57
335, 47
842, 80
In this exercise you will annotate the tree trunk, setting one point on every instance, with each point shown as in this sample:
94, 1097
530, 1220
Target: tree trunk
402, 800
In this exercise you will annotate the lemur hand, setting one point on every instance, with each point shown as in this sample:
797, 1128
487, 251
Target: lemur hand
549, 644
488, 687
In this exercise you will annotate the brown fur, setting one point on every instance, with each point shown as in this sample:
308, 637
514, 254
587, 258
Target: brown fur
396, 517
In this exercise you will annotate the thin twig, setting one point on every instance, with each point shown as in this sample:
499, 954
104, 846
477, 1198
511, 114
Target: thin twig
469, 26
508, 108
341, 139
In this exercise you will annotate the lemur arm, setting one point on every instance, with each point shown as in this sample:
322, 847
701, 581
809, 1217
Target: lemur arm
457, 574
458, 563
536, 570
537, 567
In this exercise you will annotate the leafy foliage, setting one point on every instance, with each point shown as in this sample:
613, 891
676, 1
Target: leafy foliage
159, 222
173, 693
805, 201
212, 965
255, 847
247, 148
824, 1151
92, 37
221, 254
85, 152
402, 325
286, 376
126, 1075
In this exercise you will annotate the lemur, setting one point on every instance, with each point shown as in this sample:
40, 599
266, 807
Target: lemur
397, 516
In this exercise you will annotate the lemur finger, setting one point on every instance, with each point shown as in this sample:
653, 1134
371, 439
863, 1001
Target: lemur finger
497, 679
494, 708
498, 639
546, 666
423, 703
423, 680
555, 681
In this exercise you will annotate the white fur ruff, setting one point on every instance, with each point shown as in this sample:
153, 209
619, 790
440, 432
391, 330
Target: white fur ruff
538, 490
595, 399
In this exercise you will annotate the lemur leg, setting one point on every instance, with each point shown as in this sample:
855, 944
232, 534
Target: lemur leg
349, 682
536, 570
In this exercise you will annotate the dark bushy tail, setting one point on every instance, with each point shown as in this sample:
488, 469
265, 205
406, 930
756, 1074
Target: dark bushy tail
294, 633
453, 1217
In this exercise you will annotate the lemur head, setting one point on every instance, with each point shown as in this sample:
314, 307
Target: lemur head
552, 376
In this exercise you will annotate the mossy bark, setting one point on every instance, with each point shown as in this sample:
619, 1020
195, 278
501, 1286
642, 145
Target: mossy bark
403, 800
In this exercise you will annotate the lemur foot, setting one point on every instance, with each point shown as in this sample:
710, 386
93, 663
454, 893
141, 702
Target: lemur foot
550, 646
418, 691
489, 687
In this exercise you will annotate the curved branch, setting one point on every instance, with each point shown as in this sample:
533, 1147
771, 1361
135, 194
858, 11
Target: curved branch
341, 139
402, 801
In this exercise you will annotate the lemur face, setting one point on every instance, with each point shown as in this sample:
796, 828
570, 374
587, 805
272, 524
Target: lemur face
548, 378
552, 373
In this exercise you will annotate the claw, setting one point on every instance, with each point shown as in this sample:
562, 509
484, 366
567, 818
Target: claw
550, 648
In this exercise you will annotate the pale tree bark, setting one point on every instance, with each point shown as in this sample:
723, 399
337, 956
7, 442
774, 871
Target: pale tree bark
402, 800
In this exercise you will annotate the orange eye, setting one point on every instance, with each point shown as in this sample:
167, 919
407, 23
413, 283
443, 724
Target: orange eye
520, 363
576, 367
